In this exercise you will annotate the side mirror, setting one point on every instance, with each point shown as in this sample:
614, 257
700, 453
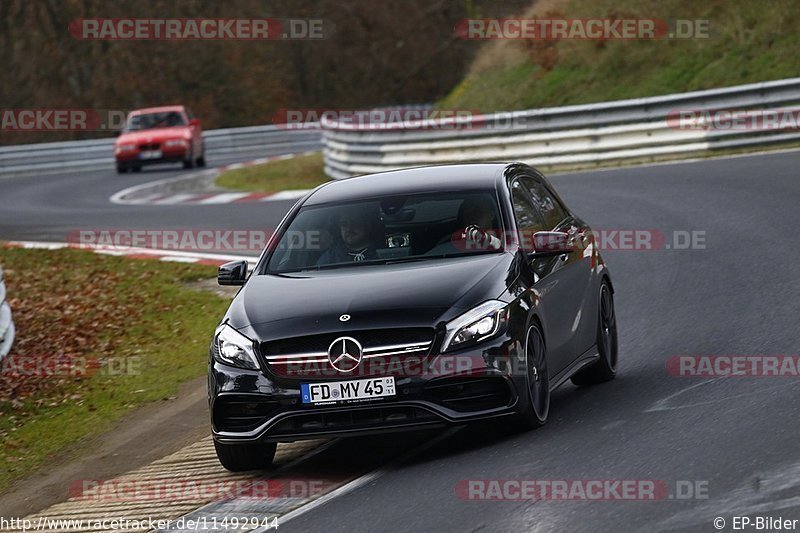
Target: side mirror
233, 273
194, 122
549, 243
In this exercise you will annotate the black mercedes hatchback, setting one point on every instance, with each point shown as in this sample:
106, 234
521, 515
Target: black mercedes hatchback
410, 299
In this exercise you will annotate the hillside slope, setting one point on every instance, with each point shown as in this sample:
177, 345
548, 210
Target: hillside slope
748, 42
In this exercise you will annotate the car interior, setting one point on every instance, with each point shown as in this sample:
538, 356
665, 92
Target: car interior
401, 227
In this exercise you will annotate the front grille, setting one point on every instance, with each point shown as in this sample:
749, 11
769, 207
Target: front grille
470, 394
353, 419
242, 412
378, 343
149, 146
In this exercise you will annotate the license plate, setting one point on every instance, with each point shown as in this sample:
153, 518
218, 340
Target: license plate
150, 154
343, 391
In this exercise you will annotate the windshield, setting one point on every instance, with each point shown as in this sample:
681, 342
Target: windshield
148, 121
389, 229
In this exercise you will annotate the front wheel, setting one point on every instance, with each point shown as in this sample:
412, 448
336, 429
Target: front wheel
605, 368
201, 161
536, 395
245, 456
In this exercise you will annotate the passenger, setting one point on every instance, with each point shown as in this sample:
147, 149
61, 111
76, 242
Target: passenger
358, 239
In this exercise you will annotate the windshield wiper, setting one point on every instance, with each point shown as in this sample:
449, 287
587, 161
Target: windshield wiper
331, 266
391, 261
406, 259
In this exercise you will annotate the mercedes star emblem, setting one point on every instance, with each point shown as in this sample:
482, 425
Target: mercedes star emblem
344, 354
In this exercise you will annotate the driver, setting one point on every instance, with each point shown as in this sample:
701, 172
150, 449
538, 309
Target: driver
475, 220
476, 215
174, 119
357, 238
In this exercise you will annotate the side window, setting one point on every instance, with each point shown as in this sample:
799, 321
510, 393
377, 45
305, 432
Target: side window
529, 220
547, 204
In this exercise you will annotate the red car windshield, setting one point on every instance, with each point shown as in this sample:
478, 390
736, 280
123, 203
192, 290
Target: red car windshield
146, 121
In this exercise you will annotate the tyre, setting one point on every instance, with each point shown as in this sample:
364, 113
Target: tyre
137, 168
605, 368
122, 169
536, 396
201, 161
247, 456
188, 162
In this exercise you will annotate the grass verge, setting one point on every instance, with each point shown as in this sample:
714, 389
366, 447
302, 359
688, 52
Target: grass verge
97, 336
300, 172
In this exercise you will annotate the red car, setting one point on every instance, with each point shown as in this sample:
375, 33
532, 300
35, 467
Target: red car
168, 134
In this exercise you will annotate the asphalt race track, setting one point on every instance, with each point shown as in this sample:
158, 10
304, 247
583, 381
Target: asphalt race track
738, 294
48, 208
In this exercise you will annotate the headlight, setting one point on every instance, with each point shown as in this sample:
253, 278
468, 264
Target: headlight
171, 143
126, 147
233, 348
478, 324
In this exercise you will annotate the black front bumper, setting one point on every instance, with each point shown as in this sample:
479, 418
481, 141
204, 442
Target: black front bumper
251, 405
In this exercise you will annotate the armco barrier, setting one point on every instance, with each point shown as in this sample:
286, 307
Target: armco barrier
570, 136
6, 322
43, 158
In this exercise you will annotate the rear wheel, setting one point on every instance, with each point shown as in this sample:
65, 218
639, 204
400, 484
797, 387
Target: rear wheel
246, 456
605, 369
536, 396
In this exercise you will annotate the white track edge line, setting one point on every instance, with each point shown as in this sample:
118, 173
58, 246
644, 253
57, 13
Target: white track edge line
361, 480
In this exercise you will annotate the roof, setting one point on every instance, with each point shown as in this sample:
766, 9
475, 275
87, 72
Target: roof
160, 109
412, 180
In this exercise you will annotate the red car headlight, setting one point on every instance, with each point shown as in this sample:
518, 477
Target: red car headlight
176, 143
125, 148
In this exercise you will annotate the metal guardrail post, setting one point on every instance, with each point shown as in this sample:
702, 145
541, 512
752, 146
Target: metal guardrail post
6, 321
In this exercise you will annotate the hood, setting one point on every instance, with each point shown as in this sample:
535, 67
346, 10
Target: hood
402, 295
155, 134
